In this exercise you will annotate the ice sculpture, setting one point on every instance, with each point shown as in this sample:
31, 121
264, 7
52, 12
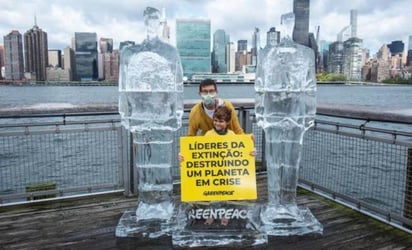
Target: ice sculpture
151, 107
285, 107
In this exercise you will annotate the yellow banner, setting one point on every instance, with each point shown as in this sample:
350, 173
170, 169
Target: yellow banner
217, 168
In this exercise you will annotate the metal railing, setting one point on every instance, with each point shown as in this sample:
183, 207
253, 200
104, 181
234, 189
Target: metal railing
356, 159
45, 156
361, 166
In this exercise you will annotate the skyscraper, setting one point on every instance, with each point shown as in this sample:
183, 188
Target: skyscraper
255, 46
106, 45
2, 56
335, 58
301, 29
272, 37
106, 49
111, 66
396, 47
55, 58
230, 57
85, 48
220, 39
241, 55
13, 50
36, 53
242, 45
352, 64
69, 63
409, 55
354, 23
324, 50
165, 28
193, 44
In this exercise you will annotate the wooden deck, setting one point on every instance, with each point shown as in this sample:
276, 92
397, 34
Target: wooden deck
90, 223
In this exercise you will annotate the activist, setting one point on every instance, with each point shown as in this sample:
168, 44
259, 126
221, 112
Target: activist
201, 115
221, 121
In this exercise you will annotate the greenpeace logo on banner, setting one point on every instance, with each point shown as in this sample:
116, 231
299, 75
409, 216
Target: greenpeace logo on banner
217, 213
206, 193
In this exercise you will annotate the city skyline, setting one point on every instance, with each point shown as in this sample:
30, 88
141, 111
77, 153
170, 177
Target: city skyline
379, 22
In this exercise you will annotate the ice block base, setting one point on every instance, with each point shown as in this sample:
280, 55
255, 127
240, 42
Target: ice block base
128, 226
302, 222
217, 232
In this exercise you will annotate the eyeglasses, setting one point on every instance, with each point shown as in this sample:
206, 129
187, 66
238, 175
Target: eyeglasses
208, 92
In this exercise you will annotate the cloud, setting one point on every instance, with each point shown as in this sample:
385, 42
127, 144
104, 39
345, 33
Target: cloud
379, 21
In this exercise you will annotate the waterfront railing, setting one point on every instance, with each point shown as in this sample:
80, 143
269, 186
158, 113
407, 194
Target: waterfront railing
360, 158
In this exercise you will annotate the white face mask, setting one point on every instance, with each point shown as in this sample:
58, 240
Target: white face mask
208, 99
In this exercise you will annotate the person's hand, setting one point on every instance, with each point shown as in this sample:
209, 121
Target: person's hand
253, 153
181, 158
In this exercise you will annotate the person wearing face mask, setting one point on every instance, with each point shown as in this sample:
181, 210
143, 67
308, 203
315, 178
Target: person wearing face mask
201, 115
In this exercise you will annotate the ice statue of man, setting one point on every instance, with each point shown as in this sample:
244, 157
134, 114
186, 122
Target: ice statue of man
151, 107
285, 107
151, 81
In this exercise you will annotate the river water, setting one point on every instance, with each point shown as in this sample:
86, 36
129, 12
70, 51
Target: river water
379, 96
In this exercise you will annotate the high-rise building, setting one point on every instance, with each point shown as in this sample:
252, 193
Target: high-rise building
36, 53
2, 56
106, 45
272, 37
85, 48
241, 45
409, 55
398, 58
111, 66
220, 40
255, 46
380, 69
335, 58
165, 28
396, 47
193, 43
55, 58
301, 28
241, 55
323, 50
13, 50
354, 23
230, 57
69, 63
410, 43
352, 54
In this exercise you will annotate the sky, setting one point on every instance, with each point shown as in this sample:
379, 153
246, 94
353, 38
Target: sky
379, 21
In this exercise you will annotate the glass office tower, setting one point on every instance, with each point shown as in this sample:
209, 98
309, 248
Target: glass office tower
13, 50
409, 55
301, 29
352, 62
193, 44
85, 47
219, 62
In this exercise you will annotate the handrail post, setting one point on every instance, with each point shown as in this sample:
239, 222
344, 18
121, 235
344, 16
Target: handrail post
127, 162
407, 207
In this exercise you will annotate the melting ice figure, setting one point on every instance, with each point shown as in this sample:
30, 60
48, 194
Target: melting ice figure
285, 107
151, 107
